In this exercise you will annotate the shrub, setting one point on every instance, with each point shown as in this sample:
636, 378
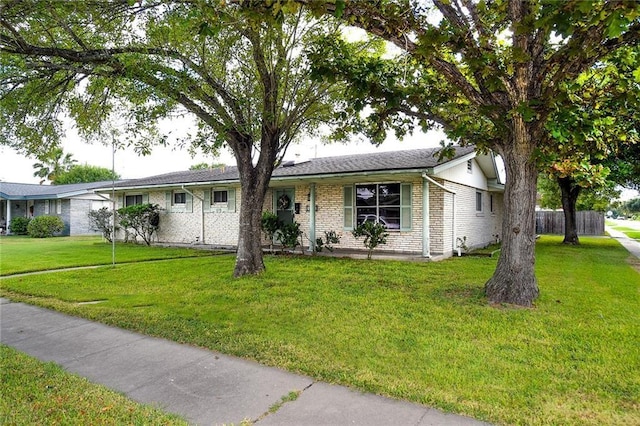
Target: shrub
102, 220
143, 219
18, 225
45, 226
330, 238
374, 234
270, 224
289, 235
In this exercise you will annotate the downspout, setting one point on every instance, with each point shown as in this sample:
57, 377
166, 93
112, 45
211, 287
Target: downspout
201, 212
453, 218
426, 231
312, 217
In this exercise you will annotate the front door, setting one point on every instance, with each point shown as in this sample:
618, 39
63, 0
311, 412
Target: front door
283, 204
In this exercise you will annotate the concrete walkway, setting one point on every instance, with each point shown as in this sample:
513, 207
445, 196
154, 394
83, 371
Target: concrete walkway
630, 244
205, 387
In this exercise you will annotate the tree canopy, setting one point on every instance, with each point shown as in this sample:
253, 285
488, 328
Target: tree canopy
82, 173
52, 165
238, 71
491, 73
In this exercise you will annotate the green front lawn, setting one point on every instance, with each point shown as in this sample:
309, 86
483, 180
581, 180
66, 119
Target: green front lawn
417, 331
23, 254
38, 393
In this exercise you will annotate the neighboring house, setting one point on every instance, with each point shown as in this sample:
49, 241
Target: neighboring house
426, 204
71, 203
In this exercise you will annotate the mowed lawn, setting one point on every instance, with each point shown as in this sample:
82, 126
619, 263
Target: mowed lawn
20, 254
417, 331
39, 393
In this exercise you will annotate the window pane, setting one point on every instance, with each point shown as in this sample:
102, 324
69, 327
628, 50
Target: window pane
132, 200
220, 196
179, 198
366, 195
389, 194
366, 214
390, 217
479, 201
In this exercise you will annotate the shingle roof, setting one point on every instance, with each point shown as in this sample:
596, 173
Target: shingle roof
416, 159
23, 191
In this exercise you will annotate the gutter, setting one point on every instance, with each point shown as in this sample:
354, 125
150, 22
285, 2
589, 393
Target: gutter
453, 193
201, 212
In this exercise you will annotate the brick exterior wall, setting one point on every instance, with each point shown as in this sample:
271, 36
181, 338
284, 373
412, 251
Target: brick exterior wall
222, 227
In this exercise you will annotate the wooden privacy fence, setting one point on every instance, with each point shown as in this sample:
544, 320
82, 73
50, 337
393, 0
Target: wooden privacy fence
588, 222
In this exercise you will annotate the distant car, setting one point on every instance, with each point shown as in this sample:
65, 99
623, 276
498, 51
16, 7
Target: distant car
621, 218
382, 220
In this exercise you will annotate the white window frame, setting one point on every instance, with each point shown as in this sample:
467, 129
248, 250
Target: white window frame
350, 207
176, 203
124, 200
58, 206
47, 207
220, 191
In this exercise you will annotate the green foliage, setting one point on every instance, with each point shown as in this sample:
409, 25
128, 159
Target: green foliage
83, 174
102, 220
330, 238
206, 166
597, 198
53, 164
19, 225
632, 206
270, 224
374, 234
142, 219
44, 226
289, 235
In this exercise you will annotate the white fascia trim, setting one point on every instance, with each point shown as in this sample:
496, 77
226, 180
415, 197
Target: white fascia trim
444, 166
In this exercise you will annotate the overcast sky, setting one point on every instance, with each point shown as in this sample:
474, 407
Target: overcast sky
18, 168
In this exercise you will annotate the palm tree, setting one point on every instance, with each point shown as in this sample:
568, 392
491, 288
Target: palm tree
52, 165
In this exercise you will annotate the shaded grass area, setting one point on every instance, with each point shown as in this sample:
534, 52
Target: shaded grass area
418, 331
38, 393
23, 254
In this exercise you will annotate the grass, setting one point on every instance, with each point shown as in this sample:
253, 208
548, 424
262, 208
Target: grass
417, 331
34, 392
24, 254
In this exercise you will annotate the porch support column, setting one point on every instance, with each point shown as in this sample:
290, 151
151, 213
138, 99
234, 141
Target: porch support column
8, 215
312, 217
426, 223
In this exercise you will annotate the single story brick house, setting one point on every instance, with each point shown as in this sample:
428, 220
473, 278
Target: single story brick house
428, 205
71, 203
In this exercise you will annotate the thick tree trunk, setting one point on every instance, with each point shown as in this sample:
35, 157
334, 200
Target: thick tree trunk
570, 192
249, 260
254, 182
514, 279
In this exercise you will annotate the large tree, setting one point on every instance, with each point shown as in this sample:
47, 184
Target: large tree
53, 164
594, 125
82, 173
239, 72
491, 73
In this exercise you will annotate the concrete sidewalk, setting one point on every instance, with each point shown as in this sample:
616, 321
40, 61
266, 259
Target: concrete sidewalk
629, 243
205, 387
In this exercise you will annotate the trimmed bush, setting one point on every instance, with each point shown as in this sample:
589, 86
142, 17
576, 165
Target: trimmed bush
18, 225
45, 226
